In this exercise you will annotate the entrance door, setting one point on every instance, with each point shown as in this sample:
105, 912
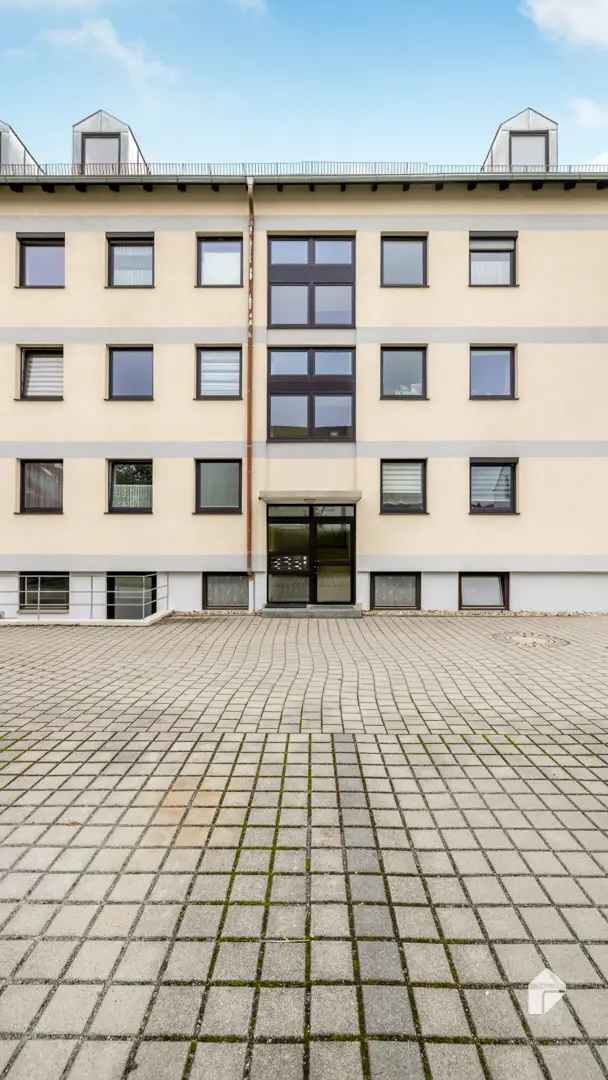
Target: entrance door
311, 555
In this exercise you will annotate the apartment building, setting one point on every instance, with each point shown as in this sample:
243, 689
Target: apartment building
248, 386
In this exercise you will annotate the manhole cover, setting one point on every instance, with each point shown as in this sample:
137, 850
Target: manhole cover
534, 638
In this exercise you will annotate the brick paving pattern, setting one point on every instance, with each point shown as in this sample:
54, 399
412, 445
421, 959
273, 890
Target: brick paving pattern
239, 848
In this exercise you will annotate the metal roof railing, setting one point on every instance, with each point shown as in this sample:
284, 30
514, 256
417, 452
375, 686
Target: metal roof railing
308, 170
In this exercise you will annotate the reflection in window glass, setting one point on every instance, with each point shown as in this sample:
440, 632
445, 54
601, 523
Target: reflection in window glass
492, 487
288, 416
42, 263
492, 260
528, 151
219, 485
227, 590
403, 260
131, 264
220, 261
333, 415
403, 373
403, 484
101, 150
288, 588
289, 252
482, 590
131, 373
395, 590
288, 362
333, 252
131, 486
289, 305
333, 362
491, 373
333, 305
219, 373
41, 486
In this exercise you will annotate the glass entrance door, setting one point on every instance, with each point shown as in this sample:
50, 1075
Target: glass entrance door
311, 555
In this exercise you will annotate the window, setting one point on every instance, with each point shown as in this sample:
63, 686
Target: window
130, 487
403, 261
41, 487
492, 372
403, 487
41, 262
220, 261
130, 262
225, 591
491, 259
42, 374
311, 281
484, 590
403, 372
529, 150
131, 374
101, 150
218, 487
311, 394
493, 486
218, 373
44, 592
131, 596
395, 591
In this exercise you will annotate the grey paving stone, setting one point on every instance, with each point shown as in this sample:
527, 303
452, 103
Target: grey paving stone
68, 1010
387, 1011
237, 960
100, 1060
452, 1061
41, 1059
243, 921
141, 961
175, 1011
189, 961
121, 1011
280, 1061
330, 1060
494, 1014
395, 1061
512, 1063
227, 1011
19, 1005
284, 962
380, 960
329, 920
161, 1060
280, 1013
334, 1011
331, 960
222, 1061
440, 1012
565, 1062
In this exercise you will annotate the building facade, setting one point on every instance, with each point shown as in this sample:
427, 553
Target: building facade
251, 386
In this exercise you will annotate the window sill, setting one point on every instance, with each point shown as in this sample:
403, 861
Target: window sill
493, 397
311, 326
310, 442
27, 513
198, 285
41, 398
113, 287
493, 513
218, 397
407, 513
135, 513
138, 398
29, 287
420, 285
403, 397
514, 285
219, 510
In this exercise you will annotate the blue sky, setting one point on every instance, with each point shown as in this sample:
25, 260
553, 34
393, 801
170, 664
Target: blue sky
213, 80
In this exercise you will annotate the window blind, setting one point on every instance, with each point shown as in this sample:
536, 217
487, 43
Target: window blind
492, 485
220, 372
42, 375
402, 483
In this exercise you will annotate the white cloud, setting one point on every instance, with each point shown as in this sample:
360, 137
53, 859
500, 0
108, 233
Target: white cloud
582, 22
589, 113
600, 159
100, 37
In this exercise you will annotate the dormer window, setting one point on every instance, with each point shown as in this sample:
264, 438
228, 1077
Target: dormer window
529, 150
101, 150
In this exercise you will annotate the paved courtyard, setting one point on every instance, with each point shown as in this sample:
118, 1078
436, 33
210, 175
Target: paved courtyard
246, 849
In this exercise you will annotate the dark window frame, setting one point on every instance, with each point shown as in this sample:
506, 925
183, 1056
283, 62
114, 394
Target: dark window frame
26, 240
513, 463
504, 577
135, 240
223, 607
392, 573
412, 237
198, 509
311, 386
384, 509
23, 607
115, 135
112, 463
200, 238
527, 134
217, 348
23, 509
497, 236
405, 397
127, 397
310, 275
512, 396
47, 350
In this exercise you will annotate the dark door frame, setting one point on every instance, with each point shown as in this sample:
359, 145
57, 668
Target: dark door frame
312, 560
